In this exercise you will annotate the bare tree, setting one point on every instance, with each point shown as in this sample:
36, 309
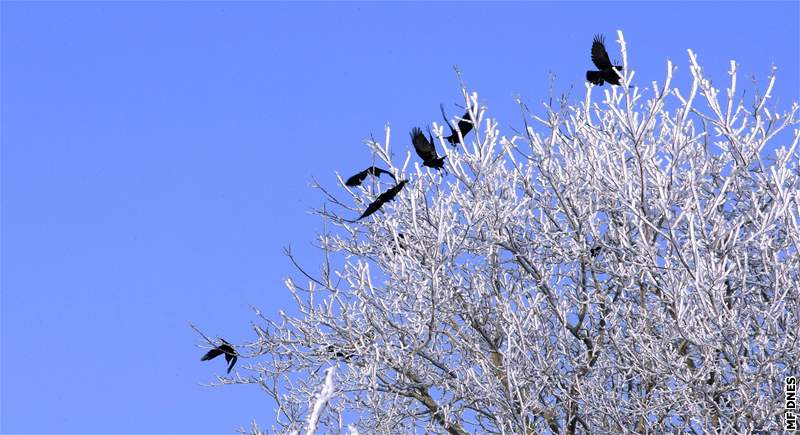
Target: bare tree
624, 266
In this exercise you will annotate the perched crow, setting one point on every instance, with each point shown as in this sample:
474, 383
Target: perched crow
728, 294
426, 150
401, 242
357, 179
464, 126
224, 348
339, 353
595, 250
381, 199
601, 61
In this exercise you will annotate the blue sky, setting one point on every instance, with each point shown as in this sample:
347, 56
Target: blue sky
156, 159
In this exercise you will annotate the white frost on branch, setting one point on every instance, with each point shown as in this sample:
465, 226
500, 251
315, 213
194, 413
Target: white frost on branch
626, 264
322, 398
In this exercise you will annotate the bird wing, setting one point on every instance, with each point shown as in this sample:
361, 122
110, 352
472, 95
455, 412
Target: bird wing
372, 208
447, 121
399, 187
391, 193
376, 171
465, 124
425, 149
232, 362
599, 53
211, 354
356, 179
229, 356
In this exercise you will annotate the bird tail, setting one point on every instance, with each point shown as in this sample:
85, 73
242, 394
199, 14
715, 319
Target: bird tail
444, 116
594, 77
211, 354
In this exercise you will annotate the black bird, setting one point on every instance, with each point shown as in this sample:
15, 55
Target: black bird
339, 353
425, 149
382, 199
224, 348
464, 126
603, 63
595, 250
357, 179
401, 242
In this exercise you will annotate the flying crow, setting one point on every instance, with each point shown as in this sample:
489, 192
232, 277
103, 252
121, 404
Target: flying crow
357, 179
224, 348
602, 62
425, 149
382, 199
464, 126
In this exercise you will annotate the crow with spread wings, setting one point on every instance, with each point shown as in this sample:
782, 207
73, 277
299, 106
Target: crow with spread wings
223, 349
465, 125
358, 178
603, 63
382, 199
425, 149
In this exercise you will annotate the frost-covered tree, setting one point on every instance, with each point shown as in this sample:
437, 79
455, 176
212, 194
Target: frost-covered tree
624, 266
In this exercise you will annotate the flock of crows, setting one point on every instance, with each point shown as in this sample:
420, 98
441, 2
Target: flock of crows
426, 150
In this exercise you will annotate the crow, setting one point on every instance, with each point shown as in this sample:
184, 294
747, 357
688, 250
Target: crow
339, 353
401, 242
464, 126
224, 348
406, 247
601, 61
425, 149
728, 294
382, 199
357, 179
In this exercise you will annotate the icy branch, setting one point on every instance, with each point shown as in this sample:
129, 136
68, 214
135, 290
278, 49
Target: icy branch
627, 263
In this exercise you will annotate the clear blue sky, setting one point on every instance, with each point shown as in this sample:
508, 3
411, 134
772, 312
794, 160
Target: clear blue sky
156, 158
